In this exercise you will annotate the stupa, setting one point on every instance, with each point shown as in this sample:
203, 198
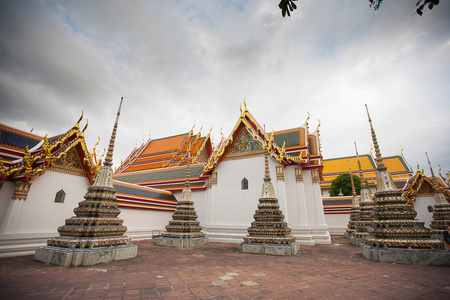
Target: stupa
395, 236
95, 234
441, 215
184, 231
269, 233
355, 208
365, 213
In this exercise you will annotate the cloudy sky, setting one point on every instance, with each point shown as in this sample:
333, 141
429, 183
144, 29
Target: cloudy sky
176, 62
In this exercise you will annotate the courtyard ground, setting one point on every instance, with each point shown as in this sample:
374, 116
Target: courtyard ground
219, 271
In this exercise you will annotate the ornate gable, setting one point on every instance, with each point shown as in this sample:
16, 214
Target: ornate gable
244, 145
69, 163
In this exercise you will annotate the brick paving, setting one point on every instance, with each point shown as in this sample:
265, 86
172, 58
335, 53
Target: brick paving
219, 271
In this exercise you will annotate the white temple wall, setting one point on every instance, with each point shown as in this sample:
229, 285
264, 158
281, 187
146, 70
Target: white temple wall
292, 210
309, 197
235, 206
27, 225
143, 224
39, 213
5, 201
421, 207
337, 223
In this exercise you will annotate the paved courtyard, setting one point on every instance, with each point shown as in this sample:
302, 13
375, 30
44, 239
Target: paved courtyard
219, 271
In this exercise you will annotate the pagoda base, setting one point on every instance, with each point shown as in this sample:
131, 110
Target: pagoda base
407, 256
270, 249
66, 257
181, 242
356, 241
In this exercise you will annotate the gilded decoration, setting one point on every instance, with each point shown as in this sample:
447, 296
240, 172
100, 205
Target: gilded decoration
214, 178
21, 189
244, 145
315, 176
69, 164
280, 173
298, 175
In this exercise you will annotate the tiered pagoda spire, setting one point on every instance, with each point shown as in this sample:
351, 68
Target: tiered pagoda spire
441, 215
95, 224
355, 207
364, 217
394, 226
184, 230
269, 233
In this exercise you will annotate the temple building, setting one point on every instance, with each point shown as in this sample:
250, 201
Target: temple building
225, 180
43, 179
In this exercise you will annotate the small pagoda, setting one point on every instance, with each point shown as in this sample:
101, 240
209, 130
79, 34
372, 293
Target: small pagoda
351, 226
365, 213
95, 234
395, 236
184, 231
269, 234
441, 215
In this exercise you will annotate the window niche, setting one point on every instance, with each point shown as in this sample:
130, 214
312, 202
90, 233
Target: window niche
244, 184
60, 196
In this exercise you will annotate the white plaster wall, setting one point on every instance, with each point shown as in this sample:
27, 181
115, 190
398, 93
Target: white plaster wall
139, 220
5, 199
421, 207
309, 196
39, 213
337, 223
233, 206
292, 210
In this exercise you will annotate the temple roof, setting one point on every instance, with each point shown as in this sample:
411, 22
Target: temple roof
161, 163
168, 151
288, 147
140, 197
422, 184
24, 155
396, 165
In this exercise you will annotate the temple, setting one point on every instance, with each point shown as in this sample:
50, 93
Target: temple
185, 187
224, 178
42, 179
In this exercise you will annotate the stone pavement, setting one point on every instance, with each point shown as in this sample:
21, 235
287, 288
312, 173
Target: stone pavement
219, 271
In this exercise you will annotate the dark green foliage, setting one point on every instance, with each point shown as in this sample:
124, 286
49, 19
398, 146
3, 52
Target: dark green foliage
344, 184
422, 3
375, 4
286, 6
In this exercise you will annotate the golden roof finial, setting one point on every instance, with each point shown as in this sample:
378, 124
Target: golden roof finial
378, 158
245, 106
307, 119
109, 154
418, 167
318, 125
86, 126
79, 120
437, 188
240, 108
192, 129
401, 151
